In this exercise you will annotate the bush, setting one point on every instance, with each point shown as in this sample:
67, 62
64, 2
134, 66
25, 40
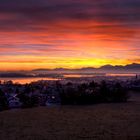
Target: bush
3, 101
119, 93
93, 93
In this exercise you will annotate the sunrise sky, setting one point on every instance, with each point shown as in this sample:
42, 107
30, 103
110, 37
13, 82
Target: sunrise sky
68, 33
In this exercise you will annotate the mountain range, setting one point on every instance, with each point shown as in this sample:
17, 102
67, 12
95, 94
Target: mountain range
129, 67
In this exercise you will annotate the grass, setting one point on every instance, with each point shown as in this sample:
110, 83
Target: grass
101, 122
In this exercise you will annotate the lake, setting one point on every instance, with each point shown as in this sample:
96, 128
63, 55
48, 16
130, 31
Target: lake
25, 80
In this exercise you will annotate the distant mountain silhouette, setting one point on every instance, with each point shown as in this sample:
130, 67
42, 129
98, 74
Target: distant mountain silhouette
133, 66
107, 67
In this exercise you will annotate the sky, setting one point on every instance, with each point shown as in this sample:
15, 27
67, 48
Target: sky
68, 33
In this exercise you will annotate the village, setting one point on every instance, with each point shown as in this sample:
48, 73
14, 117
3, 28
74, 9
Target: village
48, 93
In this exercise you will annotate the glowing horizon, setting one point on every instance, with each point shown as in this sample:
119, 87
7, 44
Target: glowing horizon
69, 34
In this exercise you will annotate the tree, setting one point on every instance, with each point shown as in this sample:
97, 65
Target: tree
3, 101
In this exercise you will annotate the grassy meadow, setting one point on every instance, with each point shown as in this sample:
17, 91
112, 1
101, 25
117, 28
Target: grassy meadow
100, 121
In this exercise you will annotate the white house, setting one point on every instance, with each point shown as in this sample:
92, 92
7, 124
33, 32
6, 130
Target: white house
14, 102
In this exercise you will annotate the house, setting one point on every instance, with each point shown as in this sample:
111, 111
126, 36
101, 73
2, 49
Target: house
53, 98
14, 102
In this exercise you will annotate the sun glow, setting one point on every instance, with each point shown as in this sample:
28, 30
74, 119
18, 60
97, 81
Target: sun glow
81, 35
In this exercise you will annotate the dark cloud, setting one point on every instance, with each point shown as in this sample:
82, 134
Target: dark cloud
28, 14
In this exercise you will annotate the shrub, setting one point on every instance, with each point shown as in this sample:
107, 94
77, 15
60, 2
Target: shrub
93, 93
3, 101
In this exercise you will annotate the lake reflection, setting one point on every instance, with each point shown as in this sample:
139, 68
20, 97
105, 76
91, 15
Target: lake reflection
67, 76
26, 80
121, 74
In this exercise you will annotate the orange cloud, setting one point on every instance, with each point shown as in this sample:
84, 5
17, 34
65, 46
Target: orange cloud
70, 41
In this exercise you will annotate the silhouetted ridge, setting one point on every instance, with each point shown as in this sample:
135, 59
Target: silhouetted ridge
133, 66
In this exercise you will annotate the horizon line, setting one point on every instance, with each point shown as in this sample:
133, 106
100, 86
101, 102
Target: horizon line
69, 68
